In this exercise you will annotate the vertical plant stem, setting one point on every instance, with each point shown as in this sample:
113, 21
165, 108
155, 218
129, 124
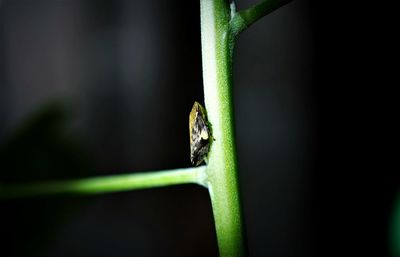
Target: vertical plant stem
217, 44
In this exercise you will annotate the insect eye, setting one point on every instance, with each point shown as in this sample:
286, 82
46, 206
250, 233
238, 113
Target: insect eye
204, 135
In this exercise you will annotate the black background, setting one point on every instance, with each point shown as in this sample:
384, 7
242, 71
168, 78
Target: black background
105, 87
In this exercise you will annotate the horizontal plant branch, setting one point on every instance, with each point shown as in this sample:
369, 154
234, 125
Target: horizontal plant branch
243, 19
107, 184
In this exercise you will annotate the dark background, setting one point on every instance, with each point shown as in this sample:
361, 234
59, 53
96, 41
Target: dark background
105, 87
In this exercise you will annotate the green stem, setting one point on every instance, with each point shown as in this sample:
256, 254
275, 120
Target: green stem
243, 19
217, 44
219, 26
107, 184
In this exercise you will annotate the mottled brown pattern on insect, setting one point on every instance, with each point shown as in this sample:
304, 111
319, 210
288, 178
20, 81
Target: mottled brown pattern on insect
199, 134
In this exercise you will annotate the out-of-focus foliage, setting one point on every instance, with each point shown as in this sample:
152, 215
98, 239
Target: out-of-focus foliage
39, 149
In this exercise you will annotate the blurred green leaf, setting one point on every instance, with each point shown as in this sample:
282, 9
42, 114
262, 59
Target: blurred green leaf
40, 148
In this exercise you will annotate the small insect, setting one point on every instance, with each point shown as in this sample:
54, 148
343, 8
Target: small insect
200, 134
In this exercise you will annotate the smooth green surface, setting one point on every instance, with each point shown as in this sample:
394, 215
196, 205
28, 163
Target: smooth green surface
220, 24
108, 184
217, 43
243, 19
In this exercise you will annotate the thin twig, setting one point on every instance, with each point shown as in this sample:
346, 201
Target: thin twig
107, 184
243, 19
